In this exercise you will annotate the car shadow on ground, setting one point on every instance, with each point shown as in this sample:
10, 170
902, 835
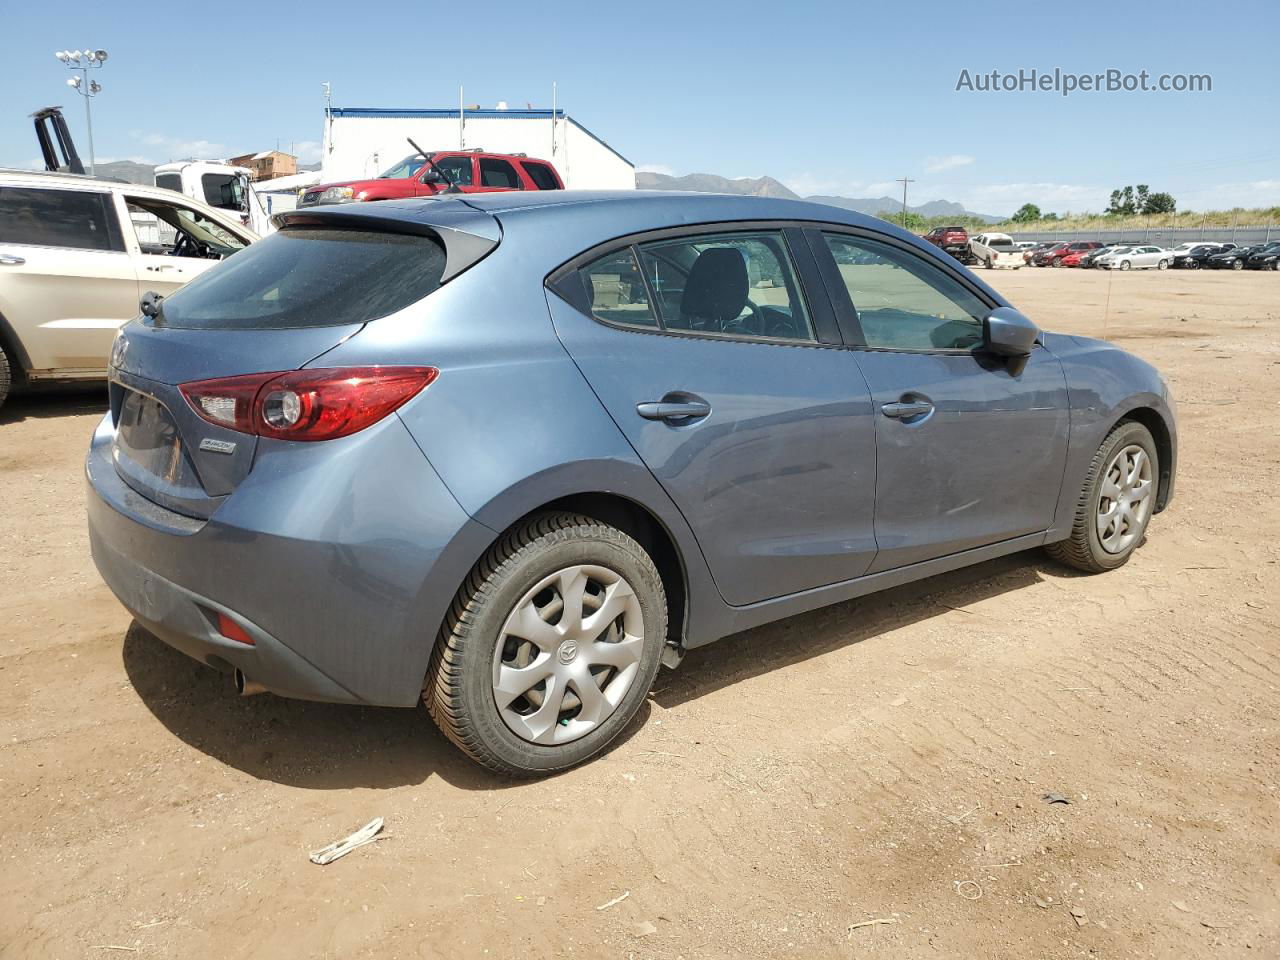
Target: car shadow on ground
807, 635
319, 746
326, 746
48, 403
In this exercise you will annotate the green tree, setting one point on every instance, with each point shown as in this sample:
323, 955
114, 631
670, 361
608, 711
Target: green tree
1050, 216
1141, 197
1159, 203
1122, 203
908, 221
1027, 213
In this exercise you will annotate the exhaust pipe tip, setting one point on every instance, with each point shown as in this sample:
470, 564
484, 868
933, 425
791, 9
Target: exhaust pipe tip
246, 687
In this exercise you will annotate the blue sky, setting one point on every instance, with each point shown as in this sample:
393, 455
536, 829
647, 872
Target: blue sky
829, 98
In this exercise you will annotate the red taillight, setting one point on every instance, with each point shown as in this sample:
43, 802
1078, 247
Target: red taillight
317, 404
232, 630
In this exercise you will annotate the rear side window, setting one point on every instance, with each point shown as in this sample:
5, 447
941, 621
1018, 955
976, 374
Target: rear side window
59, 218
310, 277
497, 173
170, 181
541, 176
617, 290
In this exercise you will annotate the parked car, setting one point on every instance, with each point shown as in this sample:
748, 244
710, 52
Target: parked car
1187, 246
1268, 258
425, 175
1235, 258
1136, 257
1029, 254
994, 250
1195, 258
76, 253
1025, 244
519, 449
1089, 258
1052, 256
954, 240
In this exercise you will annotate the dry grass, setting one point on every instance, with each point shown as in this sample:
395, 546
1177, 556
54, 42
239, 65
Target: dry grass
1239, 217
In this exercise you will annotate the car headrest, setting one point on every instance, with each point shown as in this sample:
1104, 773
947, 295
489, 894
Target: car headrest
716, 289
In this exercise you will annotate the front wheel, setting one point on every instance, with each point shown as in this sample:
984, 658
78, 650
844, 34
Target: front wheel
1116, 503
549, 647
1124, 264
1193, 264
1162, 265
5, 376
1237, 264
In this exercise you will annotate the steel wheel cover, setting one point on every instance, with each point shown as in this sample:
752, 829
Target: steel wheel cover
1125, 501
567, 654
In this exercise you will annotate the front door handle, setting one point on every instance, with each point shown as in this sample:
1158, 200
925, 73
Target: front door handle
674, 409
9, 260
907, 409
163, 267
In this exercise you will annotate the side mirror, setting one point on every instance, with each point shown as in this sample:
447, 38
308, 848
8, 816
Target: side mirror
1007, 333
432, 176
150, 303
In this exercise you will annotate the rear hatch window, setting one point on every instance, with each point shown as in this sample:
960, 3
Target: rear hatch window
310, 277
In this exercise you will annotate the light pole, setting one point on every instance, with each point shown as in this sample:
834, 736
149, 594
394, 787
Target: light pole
84, 61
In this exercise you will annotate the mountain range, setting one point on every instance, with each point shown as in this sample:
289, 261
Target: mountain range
769, 187
131, 172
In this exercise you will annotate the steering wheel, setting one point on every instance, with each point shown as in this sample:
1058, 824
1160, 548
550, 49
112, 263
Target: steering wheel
188, 246
752, 325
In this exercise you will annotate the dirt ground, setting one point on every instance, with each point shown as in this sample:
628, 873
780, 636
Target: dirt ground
863, 781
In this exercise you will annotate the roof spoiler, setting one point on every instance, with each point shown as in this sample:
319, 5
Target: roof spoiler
468, 234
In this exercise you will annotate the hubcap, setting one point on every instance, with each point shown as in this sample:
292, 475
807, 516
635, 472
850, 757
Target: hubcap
1125, 502
567, 654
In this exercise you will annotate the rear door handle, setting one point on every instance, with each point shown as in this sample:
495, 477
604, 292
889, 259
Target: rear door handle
674, 409
907, 409
9, 260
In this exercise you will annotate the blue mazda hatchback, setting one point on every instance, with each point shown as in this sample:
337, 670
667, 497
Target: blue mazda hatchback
508, 454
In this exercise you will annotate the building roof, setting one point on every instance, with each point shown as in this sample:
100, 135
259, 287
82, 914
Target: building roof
452, 113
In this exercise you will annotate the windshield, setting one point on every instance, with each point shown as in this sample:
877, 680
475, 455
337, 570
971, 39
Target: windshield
405, 168
310, 277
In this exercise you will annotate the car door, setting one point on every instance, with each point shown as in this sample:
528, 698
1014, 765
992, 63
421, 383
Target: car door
172, 242
66, 281
970, 448
726, 375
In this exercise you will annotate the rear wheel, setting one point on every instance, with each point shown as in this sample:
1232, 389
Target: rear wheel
988, 263
550, 646
1116, 503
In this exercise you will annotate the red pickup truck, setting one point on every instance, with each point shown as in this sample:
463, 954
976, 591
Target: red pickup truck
424, 175
954, 240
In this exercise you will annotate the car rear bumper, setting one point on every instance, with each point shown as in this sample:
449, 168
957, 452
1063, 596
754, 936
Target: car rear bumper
341, 576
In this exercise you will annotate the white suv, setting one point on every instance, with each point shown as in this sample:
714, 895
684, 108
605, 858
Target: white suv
76, 255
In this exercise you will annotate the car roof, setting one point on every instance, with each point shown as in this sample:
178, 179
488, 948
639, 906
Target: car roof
44, 178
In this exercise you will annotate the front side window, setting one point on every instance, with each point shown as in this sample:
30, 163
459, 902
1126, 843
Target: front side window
457, 169
617, 290
498, 173
223, 190
739, 284
76, 219
168, 229
902, 301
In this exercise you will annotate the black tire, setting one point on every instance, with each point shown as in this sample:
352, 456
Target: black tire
6, 376
1237, 264
1082, 549
458, 692
1124, 264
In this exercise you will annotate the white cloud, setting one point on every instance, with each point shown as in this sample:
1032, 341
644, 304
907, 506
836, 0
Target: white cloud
308, 151
950, 162
176, 148
1002, 199
661, 168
